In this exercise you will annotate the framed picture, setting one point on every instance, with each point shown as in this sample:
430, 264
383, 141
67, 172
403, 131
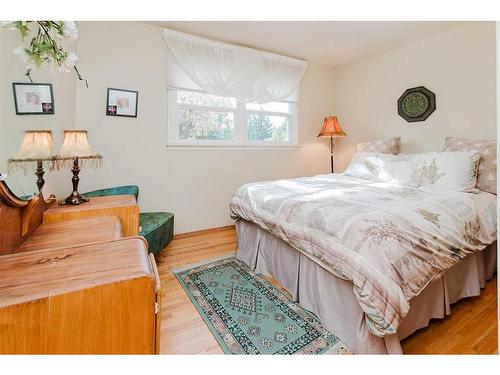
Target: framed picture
33, 98
121, 103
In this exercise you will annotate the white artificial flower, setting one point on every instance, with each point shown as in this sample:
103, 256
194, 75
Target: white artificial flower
71, 59
68, 63
24, 56
21, 52
70, 29
9, 25
63, 68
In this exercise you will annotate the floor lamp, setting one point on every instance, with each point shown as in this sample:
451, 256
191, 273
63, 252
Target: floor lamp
331, 129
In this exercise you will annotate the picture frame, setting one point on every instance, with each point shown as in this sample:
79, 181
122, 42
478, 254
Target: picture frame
122, 103
33, 98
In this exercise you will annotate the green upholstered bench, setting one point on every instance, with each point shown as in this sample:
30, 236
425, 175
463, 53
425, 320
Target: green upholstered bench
156, 227
119, 190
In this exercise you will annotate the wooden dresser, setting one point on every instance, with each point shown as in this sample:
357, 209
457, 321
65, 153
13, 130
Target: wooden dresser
89, 299
75, 286
123, 207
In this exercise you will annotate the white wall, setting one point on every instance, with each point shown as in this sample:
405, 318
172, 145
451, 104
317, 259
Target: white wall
458, 65
194, 184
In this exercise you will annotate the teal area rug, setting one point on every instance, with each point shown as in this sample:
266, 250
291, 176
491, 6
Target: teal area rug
248, 315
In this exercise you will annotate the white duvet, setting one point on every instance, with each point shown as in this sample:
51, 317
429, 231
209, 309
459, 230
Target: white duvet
389, 240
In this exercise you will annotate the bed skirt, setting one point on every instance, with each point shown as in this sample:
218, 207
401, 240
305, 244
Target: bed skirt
333, 301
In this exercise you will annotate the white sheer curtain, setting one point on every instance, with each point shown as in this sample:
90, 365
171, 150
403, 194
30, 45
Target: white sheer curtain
228, 70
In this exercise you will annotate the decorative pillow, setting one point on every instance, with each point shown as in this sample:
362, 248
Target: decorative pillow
382, 167
447, 170
385, 146
487, 173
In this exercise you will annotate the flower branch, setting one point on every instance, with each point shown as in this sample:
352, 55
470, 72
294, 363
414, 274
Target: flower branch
44, 47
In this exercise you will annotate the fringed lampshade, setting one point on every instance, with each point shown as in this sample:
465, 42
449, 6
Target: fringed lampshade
76, 145
36, 148
331, 129
76, 148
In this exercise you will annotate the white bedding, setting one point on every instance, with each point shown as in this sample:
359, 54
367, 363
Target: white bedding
389, 240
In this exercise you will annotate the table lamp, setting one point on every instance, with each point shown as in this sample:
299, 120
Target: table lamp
75, 149
331, 128
36, 148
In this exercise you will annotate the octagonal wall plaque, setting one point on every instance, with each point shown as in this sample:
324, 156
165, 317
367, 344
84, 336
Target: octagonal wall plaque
416, 104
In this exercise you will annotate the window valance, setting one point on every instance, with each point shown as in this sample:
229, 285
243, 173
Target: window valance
244, 73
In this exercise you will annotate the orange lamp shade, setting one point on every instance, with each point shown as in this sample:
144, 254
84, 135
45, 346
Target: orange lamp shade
331, 128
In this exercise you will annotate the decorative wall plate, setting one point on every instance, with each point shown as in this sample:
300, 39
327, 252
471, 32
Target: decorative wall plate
416, 104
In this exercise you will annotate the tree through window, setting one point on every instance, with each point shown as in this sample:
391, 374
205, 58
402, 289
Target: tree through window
198, 118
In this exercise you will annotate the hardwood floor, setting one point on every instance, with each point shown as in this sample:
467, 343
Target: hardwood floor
183, 331
471, 329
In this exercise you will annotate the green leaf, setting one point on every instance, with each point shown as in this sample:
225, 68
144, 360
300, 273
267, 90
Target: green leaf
37, 59
23, 28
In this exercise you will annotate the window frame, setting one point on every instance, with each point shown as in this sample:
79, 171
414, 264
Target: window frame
241, 114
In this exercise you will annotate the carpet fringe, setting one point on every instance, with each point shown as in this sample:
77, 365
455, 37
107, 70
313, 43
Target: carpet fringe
338, 348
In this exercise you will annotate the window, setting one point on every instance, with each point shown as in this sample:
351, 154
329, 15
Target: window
196, 118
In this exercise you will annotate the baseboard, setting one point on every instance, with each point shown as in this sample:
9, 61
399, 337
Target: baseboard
203, 231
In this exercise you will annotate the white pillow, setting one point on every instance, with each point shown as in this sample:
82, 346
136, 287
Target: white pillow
454, 170
385, 146
381, 167
442, 170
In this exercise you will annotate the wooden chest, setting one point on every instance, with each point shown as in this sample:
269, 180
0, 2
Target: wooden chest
122, 206
90, 299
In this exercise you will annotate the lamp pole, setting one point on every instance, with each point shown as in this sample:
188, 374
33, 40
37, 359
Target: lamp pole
331, 151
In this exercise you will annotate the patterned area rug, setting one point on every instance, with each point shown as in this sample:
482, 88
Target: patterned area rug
248, 315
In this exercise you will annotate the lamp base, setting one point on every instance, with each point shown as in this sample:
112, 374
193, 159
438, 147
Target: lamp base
39, 173
75, 198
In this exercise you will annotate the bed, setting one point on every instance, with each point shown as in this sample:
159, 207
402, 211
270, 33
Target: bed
375, 261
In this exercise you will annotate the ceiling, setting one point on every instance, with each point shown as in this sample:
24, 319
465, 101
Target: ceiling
327, 43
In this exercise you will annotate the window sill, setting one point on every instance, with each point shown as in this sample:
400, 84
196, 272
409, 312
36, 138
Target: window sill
190, 147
